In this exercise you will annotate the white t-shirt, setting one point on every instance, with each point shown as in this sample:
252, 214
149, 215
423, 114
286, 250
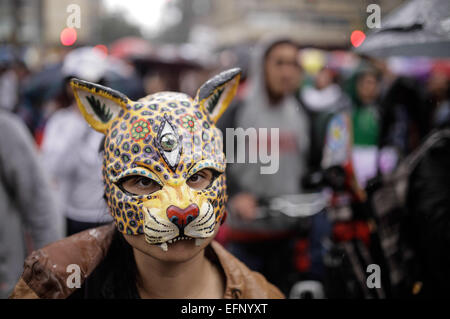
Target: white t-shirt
70, 151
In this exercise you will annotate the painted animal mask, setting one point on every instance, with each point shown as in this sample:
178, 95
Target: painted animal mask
163, 165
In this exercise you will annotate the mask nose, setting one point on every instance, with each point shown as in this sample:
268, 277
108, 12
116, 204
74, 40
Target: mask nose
182, 217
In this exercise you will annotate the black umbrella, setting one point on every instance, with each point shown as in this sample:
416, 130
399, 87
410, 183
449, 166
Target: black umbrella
417, 28
45, 84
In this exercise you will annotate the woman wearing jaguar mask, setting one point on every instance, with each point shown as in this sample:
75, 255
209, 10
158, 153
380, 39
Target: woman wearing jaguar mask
163, 170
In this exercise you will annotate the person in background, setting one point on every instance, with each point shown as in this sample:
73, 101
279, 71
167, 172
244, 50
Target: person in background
438, 100
403, 117
9, 80
273, 79
27, 205
366, 125
325, 95
70, 150
427, 221
365, 115
321, 101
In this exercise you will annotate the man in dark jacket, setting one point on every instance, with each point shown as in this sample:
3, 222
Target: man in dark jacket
428, 219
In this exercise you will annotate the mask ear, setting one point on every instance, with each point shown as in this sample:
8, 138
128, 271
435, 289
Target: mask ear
98, 104
217, 93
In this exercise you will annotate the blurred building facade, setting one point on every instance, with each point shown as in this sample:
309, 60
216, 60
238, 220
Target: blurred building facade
220, 23
324, 23
55, 16
20, 21
41, 21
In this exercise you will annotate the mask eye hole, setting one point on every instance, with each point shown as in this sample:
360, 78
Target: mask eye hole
202, 179
138, 185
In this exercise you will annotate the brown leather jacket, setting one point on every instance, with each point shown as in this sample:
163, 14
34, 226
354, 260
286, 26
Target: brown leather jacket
45, 270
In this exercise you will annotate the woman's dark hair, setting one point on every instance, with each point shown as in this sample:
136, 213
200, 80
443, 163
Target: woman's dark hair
115, 277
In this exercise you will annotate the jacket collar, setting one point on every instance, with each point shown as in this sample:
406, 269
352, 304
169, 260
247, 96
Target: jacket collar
234, 285
47, 271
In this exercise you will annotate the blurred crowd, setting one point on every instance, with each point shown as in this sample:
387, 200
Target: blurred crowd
50, 165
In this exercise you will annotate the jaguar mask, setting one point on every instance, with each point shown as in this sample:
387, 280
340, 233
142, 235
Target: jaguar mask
162, 143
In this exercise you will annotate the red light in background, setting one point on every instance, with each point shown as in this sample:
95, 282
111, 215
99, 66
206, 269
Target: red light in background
102, 48
357, 38
68, 36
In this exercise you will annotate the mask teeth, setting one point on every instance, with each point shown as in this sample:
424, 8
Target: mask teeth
174, 240
199, 241
163, 246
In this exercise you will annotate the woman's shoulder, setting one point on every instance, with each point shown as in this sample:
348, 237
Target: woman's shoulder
241, 282
58, 269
